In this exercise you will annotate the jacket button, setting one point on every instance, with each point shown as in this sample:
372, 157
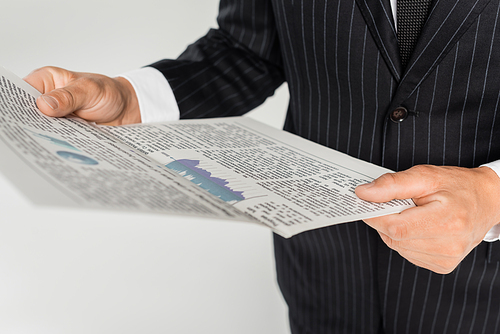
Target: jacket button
399, 114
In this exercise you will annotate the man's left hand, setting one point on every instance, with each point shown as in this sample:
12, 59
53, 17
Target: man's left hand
455, 209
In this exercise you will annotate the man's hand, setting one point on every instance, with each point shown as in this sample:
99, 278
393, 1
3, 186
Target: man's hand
455, 209
93, 97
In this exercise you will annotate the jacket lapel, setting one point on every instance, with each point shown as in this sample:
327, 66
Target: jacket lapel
378, 17
447, 22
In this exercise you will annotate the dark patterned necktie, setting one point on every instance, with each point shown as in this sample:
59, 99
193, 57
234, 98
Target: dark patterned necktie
411, 16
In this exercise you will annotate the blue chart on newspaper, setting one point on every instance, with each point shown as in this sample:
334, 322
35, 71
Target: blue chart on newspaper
198, 173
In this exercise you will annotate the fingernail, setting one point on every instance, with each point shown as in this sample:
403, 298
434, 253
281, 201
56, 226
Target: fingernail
52, 102
366, 185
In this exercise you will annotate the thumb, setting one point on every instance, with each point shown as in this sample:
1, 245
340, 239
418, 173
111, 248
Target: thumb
48, 104
402, 185
63, 101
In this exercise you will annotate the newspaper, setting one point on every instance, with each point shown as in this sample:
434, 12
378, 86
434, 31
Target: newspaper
225, 168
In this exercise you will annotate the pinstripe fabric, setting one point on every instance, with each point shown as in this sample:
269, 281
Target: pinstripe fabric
341, 61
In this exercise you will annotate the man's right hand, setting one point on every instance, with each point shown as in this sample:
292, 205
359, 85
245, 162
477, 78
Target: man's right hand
93, 97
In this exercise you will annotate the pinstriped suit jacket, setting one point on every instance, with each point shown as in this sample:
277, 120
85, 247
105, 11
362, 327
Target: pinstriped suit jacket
341, 61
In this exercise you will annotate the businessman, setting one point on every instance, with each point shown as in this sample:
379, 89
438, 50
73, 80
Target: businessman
424, 104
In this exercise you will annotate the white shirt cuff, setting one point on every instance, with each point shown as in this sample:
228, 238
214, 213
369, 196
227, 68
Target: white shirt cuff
156, 99
494, 233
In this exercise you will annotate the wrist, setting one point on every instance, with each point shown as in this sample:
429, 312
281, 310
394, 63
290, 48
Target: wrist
491, 189
131, 113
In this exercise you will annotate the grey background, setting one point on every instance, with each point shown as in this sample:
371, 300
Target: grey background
77, 271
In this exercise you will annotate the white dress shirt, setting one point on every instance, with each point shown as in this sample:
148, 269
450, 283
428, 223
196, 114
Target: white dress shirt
157, 104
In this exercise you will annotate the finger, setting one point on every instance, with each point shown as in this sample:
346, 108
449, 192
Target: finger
441, 264
41, 81
420, 222
446, 248
48, 78
429, 264
53, 82
77, 95
417, 181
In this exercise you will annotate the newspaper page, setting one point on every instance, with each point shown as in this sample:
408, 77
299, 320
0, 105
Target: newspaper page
65, 161
286, 182
230, 168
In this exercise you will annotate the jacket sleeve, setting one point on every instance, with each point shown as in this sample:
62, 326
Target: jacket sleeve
231, 70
